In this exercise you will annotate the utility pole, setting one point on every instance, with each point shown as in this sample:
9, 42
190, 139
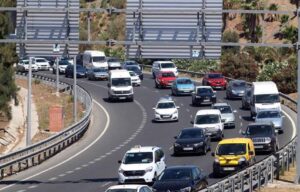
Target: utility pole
57, 77
75, 91
297, 179
28, 132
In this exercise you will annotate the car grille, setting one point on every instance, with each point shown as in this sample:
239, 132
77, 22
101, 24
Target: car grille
122, 92
134, 173
259, 140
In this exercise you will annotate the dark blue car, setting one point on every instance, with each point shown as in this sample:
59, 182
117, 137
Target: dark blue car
80, 71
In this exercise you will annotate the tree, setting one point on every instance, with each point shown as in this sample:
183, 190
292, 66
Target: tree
270, 69
232, 37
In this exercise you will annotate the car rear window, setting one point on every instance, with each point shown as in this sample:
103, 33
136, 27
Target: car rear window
215, 76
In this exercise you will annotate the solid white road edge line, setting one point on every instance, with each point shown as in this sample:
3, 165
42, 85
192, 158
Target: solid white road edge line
72, 157
293, 124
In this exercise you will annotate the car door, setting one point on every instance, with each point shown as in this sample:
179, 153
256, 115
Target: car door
160, 161
196, 179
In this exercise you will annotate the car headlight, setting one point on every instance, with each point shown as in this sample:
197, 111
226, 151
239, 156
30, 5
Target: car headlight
198, 96
156, 113
216, 160
131, 90
242, 160
213, 96
175, 113
268, 140
149, 169
187, 189
198, 144
121, 171
233, 91
176, 145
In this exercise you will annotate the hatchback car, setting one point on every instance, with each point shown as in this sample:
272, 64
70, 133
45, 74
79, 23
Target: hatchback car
182, 86
62, 65
136, 69
185, 178
80, 71
191, 140
135, 79
164, 79
246, 99
227, 114
215, 80
273, 116
23, 66
166, 110
97, 73
113, 63
129, 188
203, 95
236, 89
43, 64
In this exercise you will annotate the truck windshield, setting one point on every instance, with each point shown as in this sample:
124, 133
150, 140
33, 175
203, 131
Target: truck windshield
98, 59
121, 190
269, 98
232, 149
207, 119
117, 82
141, 157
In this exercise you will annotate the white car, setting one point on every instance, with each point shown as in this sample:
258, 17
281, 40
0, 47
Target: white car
159, 66
166, 110
131, 188
141, 164
23, 66
211, 121
62, 65
135, 79
43, 64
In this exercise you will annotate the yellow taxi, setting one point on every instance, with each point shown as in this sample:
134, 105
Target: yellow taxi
232, 155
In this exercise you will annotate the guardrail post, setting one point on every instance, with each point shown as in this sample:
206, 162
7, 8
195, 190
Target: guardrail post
272, 170
250, 180
2, 173
32, 161
242, 182
11, 170
259, 177
39, 159
277, 165
27, 163
19, 166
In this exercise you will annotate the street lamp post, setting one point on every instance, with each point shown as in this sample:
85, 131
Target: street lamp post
297, 180
28, 132
57, 77
75, 91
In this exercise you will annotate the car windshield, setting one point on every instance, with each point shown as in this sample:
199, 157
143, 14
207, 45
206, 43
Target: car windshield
223, 109
100, 70
259, 130
121, 190
191, 134
141, 157
204, 91
167, 65
165, 105
133, 68
207, 119
268, 114
132, 74
63, 62
79, 67
175, 174
215, 76
168, 74
239, 84
232, 149
270, 98
121, 82
184, 81
40, 60
26, 62
98, 59
113, 60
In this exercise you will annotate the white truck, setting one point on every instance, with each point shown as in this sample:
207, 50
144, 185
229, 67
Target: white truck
120, 85
94, 59
264, 96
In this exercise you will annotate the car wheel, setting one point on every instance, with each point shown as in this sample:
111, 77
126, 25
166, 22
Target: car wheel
203, 185
205, 150
153, 75
193, 103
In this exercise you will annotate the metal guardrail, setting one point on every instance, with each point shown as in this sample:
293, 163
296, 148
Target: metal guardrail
262, 172
37, 153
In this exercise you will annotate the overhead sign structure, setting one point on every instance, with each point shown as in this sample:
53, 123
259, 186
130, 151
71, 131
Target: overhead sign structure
154, 24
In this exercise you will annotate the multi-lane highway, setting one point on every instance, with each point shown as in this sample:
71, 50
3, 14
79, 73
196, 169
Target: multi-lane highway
91, 164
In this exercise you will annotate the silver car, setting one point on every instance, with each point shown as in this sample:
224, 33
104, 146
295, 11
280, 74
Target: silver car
273, 116
97, 73
236, 89
227, 114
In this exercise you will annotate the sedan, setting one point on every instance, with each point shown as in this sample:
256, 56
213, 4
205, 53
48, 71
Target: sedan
273, 116
182, 86
186, 178
191, 140
203, 95
23, 66
136, 69
236, 89
97, 73
80, 71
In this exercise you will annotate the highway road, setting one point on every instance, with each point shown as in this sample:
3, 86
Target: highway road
91, 164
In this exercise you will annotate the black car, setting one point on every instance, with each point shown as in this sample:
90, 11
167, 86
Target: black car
236, 89
263, 135
135, 69
80, 71
191, 140
204, 95
131, 63
187, 178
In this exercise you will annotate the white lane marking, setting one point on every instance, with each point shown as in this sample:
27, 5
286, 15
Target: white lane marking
22, 190
240, 117
52, 179
62, 175
32, 187
77, 168
85, 165
105, 184
69, 172
181, 104
170, 148
91, 162
72, 157
293, 124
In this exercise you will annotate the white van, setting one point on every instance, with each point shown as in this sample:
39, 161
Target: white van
159, 66
120, 85
264, 96
94, 59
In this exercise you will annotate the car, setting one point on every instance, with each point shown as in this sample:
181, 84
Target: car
160, 66
43, 64
113, 63
165, 110
182, 86
203, 95
185, 178
246, 99
141, 164
80, 71
233, 154
236, 89
273, 116
129, 188
215, 80
210, 120
136, 69
23, 66
97, 73
135, 79
263, 135
127, 63
191, 140
62, 65
164, 79
227, 114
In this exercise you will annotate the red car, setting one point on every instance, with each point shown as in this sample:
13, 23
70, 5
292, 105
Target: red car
215, 80
164, 79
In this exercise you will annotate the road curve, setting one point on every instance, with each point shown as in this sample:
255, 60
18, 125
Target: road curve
91, 163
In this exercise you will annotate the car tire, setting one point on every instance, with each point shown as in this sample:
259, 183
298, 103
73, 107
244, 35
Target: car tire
153, 75
203, 185
205, 150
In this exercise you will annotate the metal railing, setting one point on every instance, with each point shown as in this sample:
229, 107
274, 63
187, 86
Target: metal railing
37, 153
262, 172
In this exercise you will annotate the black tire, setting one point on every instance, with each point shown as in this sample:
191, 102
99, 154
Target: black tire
205, 150
203, 185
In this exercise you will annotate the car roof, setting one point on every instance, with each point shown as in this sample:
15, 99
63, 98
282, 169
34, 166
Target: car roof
181, 167
166, 72
163, 62
165, 99
138, 148
208, 112
221, 104
235, 140
191, 129
183, 78
126, 186
207, 87
237, 81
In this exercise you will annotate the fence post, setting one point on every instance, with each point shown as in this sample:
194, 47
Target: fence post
277, 164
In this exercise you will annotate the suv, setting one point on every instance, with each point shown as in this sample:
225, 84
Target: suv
232, 155
203, 95
141, 164
166, 110
164, 79
215, 80
210, 120
113, 63
236, 89
43, 64
159, 66
264, 136
227, 114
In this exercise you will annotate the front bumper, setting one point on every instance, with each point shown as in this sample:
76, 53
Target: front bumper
263, 147
205, 100
189, 149
184, 92
229, 124
217, 168
101, 77
136, 83
166, 117
236, 95
141, 178
121, 96
215, 134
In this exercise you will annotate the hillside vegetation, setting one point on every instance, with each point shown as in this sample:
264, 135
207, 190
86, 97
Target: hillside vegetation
249, 63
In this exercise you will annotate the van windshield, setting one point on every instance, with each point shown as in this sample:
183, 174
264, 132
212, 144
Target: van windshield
231, 149
98, 59
207, 119
269, 98
137, 158
167, 65
118, 82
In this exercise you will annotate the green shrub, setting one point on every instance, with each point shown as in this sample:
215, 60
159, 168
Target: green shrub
284, 19
231, 37
270, 69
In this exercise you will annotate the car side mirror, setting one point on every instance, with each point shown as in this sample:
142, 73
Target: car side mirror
213, 154
214, 92
119, 161
234, 111
251, 153
177, 107
242, 132
153, 108
192, 122
175, 137
276, 131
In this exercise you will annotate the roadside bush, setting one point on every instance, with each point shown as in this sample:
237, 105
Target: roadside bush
231, 37
284, 19
290, 33
196, 65
270, 69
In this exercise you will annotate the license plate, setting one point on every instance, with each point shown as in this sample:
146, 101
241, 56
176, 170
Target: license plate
122, 98
188, 148
259, 146
228, 168
206, 100
208, 133
165, 116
